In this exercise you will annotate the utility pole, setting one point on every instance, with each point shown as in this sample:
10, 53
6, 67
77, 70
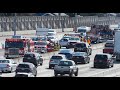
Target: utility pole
75, 21
14, 24
62, 23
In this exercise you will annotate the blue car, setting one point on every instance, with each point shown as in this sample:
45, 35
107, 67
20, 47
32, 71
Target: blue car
67, 52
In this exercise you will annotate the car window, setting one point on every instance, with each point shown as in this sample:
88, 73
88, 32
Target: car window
56, 57
101, 57
80, 45
4, 61
23, 66
29, 55
65, 63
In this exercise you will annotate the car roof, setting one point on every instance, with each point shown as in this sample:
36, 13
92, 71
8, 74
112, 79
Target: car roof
103, 54
26, 63
59, 55
67, 60
65, 50
79, 53
31, 53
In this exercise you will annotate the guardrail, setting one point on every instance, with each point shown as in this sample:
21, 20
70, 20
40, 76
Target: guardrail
54, 22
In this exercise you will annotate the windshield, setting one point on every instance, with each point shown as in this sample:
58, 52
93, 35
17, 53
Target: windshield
39, 39
4, 61
40, 43
74, 39
23, 66
80, 45
109, 45
65, 63
14, 44
51, 37
29, 55
101, 57
50, 34
56, 57
82, 30
79, 54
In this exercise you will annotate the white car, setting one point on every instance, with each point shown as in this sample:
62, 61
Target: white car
53, 38
7, 65
66, 67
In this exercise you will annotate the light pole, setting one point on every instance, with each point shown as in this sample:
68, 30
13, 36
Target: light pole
75, 24
14, 24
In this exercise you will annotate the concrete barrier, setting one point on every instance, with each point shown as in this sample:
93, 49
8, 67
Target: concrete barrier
30, 32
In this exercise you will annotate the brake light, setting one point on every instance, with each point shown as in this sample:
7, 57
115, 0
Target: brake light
8, 65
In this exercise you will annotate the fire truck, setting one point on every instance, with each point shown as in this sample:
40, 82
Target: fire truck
17, 47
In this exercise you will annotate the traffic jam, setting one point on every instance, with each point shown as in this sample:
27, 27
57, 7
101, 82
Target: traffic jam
73, 49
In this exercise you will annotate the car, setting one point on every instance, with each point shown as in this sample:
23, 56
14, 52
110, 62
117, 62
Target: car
67, 52
63, 42
41, 46
7, 65
83, 47
109, 47
24, 75
72, 41
103, 60
26, 67
55, 59
34, 58
53, 38
66, 67
80, 57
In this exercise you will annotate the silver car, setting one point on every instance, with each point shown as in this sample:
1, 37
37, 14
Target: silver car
66, 67
55, 59
7, 65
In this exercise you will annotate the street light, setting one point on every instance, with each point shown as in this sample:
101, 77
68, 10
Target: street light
14, 24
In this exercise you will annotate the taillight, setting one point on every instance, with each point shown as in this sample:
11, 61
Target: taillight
8, 65
95, 60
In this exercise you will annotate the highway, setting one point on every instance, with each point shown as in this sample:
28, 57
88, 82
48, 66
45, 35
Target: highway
85, 70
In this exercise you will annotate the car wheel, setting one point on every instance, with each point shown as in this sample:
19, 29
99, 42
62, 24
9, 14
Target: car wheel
50, 67
112, 65
71, 74
55, 74
76, 73
95, 66
40, 64
35, 73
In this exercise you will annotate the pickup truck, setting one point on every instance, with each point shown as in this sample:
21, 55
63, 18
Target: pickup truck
66, 67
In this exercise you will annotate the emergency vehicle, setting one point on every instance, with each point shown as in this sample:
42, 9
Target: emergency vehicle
17, 47
109, 47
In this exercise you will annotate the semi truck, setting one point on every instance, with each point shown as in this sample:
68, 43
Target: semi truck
117, 45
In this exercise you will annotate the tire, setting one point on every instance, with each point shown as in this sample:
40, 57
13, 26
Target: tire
50, 67
11, 70
40, 64
55, 74
95, 66
76, 73
71, 74
88, 61
36, 74
112, 65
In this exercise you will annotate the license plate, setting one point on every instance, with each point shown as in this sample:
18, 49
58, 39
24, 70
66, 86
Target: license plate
28, 58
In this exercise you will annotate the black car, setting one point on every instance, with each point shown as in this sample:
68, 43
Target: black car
103, 60
34, 58
83, 47
26, 67
67, 52
80, 57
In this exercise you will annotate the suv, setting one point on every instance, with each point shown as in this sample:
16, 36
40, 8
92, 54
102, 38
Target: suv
26, 67
67, 52
103, 60
83, 47
55, 59
34, 58
66, 67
